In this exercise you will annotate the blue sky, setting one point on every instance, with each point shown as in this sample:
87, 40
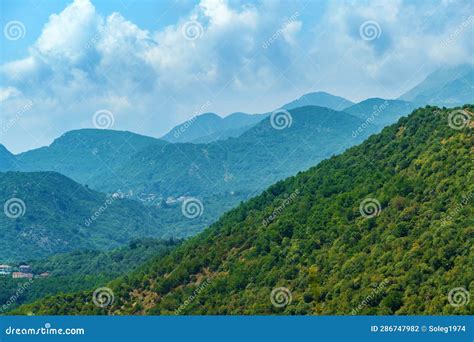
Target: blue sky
153, 64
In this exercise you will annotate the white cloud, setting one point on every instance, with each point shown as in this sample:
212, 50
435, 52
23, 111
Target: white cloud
84, 61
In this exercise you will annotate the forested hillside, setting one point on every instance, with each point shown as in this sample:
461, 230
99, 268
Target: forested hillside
45, 213
79, 270
385, 228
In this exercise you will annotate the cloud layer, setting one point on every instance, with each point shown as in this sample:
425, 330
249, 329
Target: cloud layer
241, 57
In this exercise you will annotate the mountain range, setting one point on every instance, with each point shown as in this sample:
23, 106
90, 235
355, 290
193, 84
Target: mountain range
448, 86
388, 219
47, 213
218, 174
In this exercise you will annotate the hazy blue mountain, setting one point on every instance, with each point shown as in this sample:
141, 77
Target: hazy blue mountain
211, 127
380, 112
447, 86
221, 174
83, 154
7, 159
46, 213
320, 99
389, 215
223, 135
261, 153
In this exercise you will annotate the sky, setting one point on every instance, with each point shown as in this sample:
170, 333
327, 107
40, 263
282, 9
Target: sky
148, 65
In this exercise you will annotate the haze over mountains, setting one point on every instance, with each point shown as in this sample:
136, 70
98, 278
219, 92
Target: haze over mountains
47, 213
447, 86
224, 171
381, 215
210, 127
413, 169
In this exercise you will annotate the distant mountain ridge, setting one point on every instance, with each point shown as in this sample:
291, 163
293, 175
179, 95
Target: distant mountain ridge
447, 86
381, 112
383, 220
211, 127
204, 126
47, 213
85, 153
7, 159
321, 99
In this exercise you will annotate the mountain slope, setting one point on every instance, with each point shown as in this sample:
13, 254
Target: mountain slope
314, 235
447, 86
242, 163
380, 112
210, 127
46, 213
7, 159
80, 270
320, 99
85, 153
223, 173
